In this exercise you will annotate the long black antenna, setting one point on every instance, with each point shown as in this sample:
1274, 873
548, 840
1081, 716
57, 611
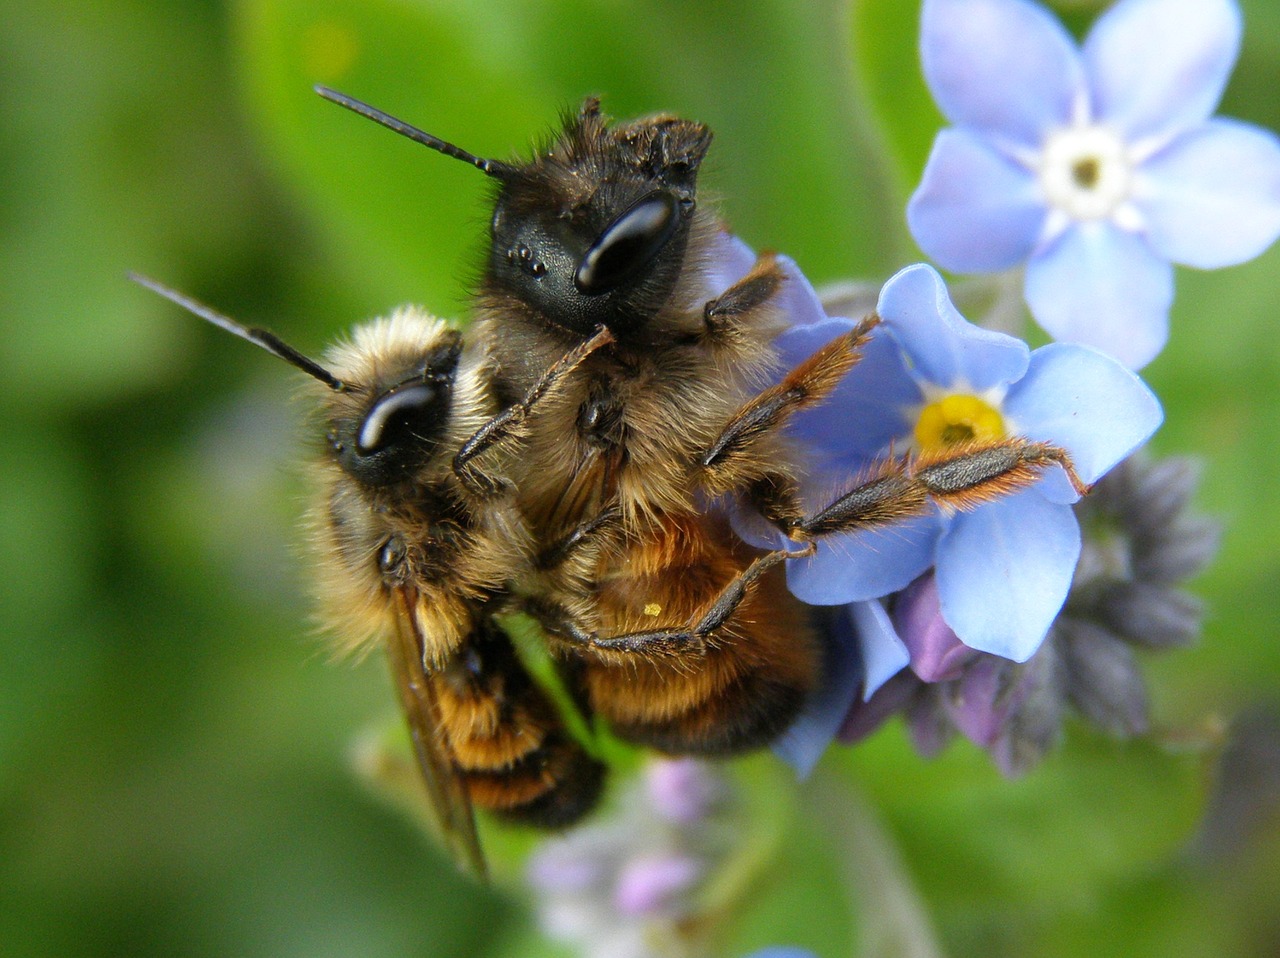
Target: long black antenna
259, 337
495, 168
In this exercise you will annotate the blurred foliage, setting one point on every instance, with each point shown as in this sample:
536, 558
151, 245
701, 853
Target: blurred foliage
174, 767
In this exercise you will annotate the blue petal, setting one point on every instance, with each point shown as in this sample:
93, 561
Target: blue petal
1086, 402
975, 210
1004, 68
942, 347
883, 653
797, 298
1004, 571
1158, 67
824, 712
1212, 198
870, 408
854, 567
728, 260
1103, 287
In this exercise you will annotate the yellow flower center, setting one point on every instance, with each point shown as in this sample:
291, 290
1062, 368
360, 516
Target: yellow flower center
957, 419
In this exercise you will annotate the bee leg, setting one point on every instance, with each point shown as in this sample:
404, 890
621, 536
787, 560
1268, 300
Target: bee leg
508, 427
665, 643
588, 533
959, 478
725, 314
744, 451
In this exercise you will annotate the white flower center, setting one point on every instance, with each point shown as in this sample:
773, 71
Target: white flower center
1086, 172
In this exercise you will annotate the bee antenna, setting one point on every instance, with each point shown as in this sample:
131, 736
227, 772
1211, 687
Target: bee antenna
259, 337
495, 168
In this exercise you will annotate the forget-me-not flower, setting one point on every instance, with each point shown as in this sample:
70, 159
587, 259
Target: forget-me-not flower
929, 379
1095, 166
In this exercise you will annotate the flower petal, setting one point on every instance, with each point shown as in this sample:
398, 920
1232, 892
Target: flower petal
1212, 198
728, 260
797, 298
1158, 67
1005, 68
937, 654
975, 210
803, 743
865, 412
883, 654
941, 345
1086, 402
854, 567
1103, 287
1004, 571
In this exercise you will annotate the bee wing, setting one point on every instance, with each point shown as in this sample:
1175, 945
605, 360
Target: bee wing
450, 803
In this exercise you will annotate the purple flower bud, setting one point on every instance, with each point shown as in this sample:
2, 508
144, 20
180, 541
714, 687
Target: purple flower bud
865, 717
649, 884
937, 654
681, 790
987, 694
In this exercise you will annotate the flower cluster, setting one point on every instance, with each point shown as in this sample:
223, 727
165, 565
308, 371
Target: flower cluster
1093, 167
624, 886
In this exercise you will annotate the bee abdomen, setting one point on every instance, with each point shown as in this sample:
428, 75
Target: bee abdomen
507, 741
551, 787
749, 714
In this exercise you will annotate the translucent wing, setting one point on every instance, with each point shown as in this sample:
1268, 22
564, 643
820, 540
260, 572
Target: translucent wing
447, 793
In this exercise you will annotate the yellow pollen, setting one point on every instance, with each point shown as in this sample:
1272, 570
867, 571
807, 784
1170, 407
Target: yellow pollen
957, 419
1086, 172
652, 608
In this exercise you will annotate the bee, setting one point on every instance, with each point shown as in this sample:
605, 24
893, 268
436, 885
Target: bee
686, 639
411, 558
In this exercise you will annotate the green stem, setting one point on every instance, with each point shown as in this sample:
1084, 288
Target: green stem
894, 920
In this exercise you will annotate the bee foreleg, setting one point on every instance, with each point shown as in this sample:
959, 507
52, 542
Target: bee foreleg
508, 428
727, 315
742, 452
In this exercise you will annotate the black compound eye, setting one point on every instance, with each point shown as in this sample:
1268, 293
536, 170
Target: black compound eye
393, 417
628, 244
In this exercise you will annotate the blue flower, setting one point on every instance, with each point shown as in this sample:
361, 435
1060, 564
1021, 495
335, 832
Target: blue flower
1096, 166
929, 378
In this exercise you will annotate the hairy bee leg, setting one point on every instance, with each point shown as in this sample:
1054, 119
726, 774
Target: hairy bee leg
737, 457
666, 643
586, 534
508, 426
960, 478
724, 315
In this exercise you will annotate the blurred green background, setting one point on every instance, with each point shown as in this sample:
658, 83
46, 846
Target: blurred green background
174, 742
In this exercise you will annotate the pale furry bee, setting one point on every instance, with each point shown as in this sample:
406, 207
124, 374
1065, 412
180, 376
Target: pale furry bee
685, 638
410, 557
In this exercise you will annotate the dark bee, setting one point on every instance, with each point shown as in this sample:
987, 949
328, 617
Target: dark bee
411, 558
687, 638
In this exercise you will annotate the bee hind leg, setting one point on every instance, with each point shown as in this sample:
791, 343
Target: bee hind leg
961, 478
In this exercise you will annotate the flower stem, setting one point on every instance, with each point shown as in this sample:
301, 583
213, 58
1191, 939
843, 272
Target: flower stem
894, 920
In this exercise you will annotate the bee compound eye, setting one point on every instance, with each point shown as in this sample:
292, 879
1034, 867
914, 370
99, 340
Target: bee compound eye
628, 244
393, 417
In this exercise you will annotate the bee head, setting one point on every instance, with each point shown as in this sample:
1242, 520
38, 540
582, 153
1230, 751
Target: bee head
389, 431
593, 231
